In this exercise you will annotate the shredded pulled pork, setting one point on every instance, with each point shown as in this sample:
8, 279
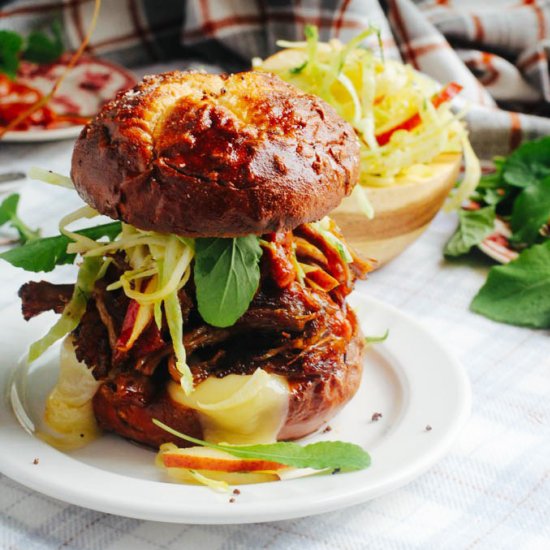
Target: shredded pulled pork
36, 298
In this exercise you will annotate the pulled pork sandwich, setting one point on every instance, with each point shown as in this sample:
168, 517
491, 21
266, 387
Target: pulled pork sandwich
218, 306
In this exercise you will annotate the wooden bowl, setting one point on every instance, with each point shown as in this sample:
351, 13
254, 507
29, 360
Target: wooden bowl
401, 212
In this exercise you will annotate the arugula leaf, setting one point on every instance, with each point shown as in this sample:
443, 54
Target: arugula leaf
493, 196
474, 226
8, 208
531, 211
227, 275
11, 43
491, 189
518, 293
528, 164
44, 254
8, 213
43, 49
519, 192
336, 455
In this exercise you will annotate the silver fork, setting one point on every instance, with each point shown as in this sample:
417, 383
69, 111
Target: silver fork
8, 177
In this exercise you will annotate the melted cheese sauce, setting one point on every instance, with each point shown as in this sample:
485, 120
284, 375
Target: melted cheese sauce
235, 409
69, 416
238, 409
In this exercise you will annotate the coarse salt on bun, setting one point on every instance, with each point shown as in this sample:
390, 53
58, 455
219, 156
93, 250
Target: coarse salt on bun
207, 155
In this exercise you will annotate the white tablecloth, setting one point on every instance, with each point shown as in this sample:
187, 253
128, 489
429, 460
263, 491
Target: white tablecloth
491, 492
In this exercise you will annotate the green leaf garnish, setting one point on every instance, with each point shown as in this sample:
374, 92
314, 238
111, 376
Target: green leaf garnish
8, 214
334, 455
227, 275
531, 211
473, 227
519, 192
519, 292
491, 189
11, 44
43, 49
39, 47
44, 254
528, 164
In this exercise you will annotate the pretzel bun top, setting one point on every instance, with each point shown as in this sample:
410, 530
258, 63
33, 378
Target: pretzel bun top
206, 155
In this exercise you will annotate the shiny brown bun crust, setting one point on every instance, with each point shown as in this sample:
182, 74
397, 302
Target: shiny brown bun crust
315, 401
312, 403
198, 154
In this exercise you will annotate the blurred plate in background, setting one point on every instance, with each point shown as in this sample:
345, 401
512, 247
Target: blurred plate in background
90, 84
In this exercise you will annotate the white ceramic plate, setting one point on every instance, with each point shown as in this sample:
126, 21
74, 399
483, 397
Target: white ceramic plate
410, 378
32, 136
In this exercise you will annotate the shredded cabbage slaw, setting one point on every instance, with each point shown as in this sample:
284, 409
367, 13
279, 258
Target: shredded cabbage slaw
165, 260
380, 98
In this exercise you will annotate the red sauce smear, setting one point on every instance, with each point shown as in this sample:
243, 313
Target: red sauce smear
21, 99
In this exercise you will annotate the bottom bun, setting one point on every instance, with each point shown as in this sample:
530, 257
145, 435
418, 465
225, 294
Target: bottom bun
312, 402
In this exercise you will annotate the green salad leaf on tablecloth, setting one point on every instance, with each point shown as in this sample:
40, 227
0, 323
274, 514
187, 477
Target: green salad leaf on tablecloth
519, 292
518, 194
474, 226
531, 211
528, 164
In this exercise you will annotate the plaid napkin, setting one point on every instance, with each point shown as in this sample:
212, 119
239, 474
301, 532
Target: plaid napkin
497, 49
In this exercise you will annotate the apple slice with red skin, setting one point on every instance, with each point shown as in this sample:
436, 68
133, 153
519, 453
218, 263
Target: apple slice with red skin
205, 459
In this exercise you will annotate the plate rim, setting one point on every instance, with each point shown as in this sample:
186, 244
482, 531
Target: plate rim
44, 480
32, 136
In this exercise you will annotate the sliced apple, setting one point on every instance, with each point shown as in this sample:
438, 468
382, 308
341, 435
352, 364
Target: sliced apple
213, 460
170, 458
219, 480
